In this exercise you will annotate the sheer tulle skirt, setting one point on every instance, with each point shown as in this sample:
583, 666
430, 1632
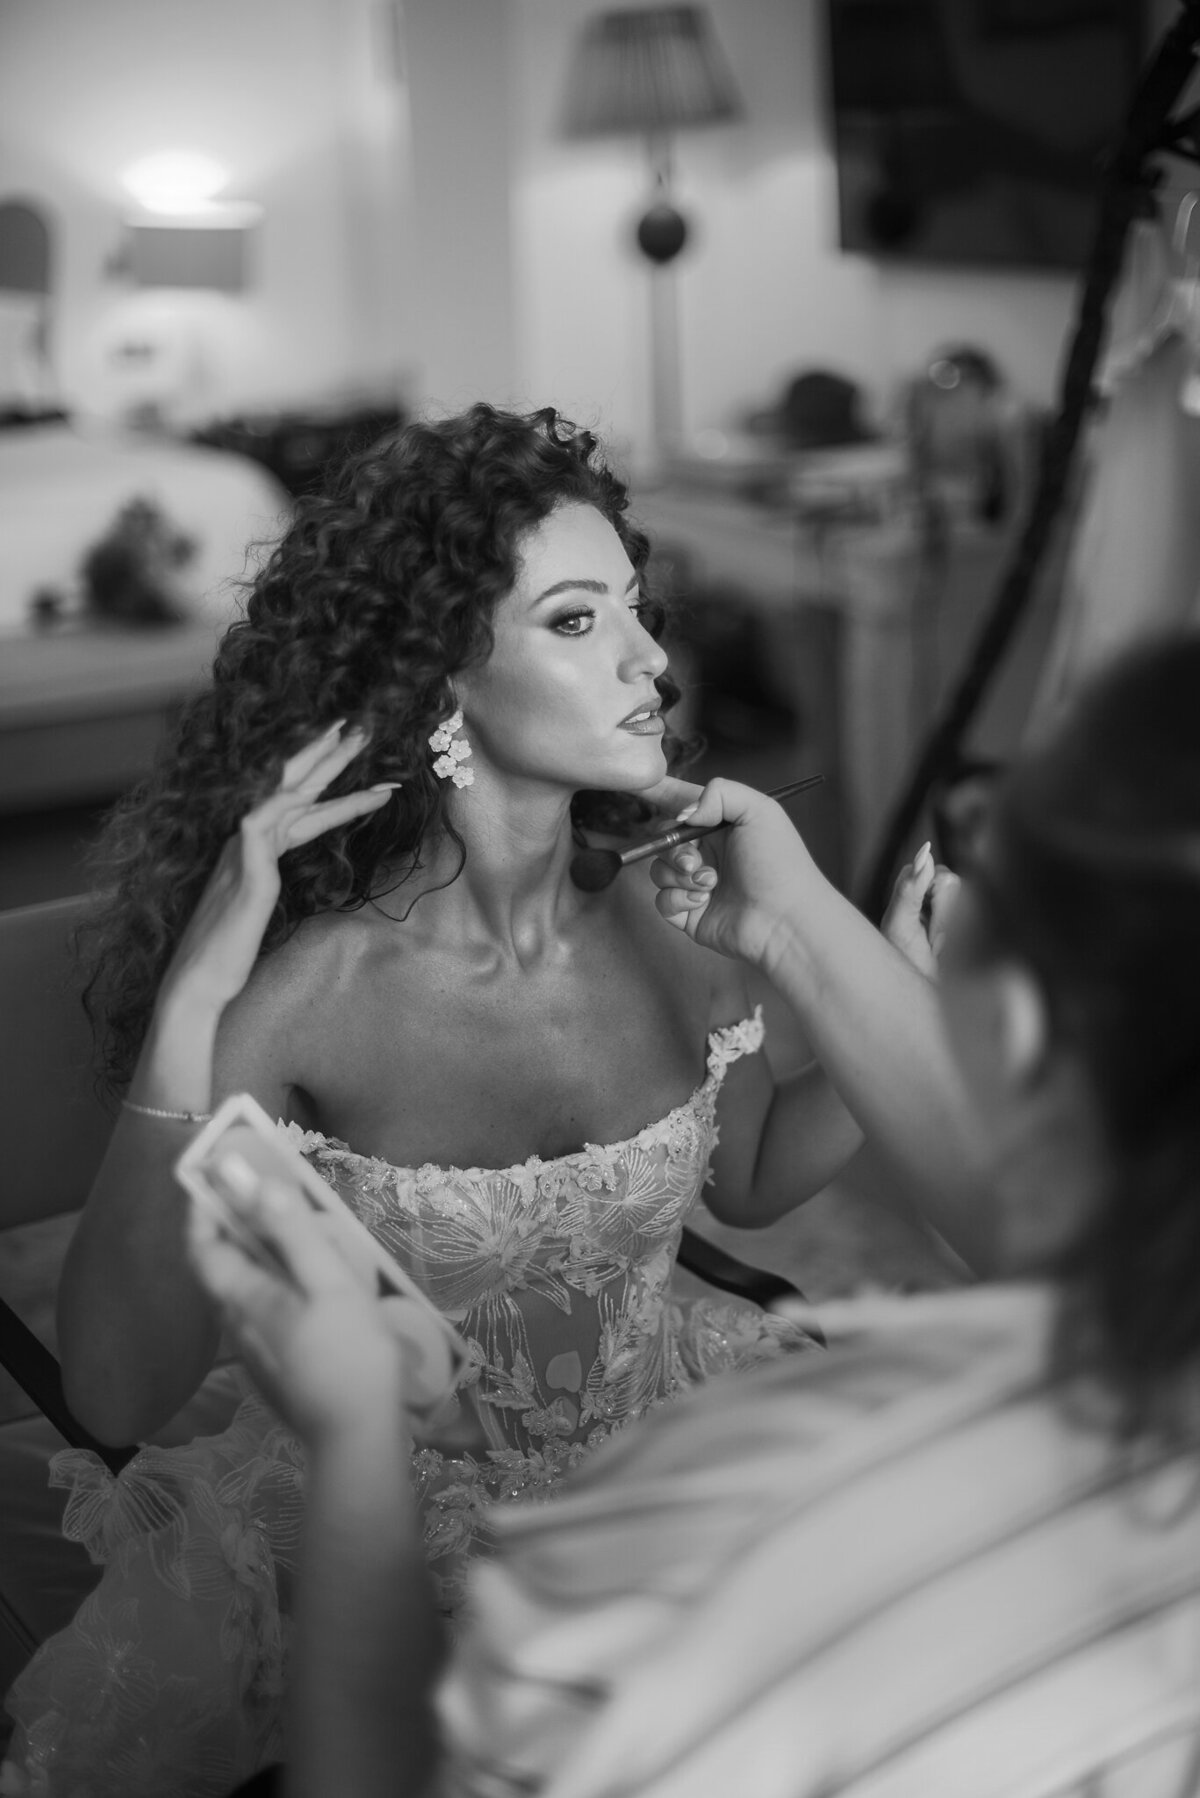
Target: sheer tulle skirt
169, 1680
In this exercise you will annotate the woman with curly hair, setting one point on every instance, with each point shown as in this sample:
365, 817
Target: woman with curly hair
346, 889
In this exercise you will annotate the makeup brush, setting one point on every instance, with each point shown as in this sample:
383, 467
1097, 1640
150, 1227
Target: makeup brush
594, 869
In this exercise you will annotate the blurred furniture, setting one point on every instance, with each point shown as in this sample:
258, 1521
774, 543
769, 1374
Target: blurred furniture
83, 699
895, 618
26, 275
299, 448
971, 441
862, 577
81, 714
54, 1133
62, 487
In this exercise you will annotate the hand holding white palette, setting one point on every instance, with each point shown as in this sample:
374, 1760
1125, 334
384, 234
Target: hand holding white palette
239, 1150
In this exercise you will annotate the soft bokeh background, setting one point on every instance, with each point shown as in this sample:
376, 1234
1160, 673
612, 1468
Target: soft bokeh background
428, 235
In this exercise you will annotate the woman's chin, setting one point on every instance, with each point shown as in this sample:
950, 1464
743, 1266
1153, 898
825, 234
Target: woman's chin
640, 773
642, 766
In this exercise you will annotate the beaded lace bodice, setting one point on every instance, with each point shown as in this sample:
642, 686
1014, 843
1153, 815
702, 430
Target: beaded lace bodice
556, 1272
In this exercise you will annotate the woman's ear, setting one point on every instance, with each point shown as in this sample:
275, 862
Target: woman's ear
1022, 1023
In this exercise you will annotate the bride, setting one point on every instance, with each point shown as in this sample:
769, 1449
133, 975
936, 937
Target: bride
346, 889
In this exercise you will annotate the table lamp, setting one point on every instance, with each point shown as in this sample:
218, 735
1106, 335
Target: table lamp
653, 71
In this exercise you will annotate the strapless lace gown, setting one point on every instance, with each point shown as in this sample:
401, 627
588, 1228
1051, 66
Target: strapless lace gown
558, 1275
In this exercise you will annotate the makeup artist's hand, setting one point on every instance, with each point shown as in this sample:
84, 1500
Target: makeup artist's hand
223, 937
915, 920
732, 892
315, 1342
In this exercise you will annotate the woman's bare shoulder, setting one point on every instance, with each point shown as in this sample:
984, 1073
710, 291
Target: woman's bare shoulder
291, 984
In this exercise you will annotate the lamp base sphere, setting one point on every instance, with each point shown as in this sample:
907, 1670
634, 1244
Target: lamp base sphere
661, 233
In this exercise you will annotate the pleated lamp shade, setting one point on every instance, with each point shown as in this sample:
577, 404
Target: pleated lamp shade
649, 70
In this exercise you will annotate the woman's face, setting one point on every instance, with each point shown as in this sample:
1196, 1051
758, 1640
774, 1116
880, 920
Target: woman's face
567, 696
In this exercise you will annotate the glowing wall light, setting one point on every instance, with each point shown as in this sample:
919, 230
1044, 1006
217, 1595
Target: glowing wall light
175, 181
186, 236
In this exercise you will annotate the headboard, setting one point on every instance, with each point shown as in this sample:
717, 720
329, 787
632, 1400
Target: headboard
26, 300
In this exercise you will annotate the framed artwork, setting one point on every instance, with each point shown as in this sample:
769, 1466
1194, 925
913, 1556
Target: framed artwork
974, 131
1023, 18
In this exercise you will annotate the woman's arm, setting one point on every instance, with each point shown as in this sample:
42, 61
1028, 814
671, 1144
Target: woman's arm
136, 1334
871, 1019
783, 1141
369, 1644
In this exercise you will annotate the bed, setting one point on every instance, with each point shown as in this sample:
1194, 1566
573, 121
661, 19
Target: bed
85, 686
83, 696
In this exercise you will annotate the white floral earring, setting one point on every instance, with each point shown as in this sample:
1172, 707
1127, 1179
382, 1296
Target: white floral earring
452, 752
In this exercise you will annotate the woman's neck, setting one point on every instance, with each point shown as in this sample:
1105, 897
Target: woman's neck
514, 893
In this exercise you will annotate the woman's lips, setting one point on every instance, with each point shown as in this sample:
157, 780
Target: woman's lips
646, 723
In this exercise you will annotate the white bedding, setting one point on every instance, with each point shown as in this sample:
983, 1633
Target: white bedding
61, 489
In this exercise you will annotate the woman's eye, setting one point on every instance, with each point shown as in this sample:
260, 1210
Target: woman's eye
574, 624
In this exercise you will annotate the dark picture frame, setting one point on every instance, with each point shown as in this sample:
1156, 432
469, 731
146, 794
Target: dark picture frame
1034, 18
972, 132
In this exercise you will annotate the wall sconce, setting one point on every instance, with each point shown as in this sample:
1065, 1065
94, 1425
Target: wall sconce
183, 235
211, 251
653, 71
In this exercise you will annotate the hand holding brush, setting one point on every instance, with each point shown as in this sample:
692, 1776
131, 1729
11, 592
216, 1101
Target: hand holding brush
594, 869
757, 888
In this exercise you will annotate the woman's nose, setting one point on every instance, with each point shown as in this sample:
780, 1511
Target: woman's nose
643, 655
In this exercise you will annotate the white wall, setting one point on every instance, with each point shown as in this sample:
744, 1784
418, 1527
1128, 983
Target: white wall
431, 224
460, 244
764, 291
296, 98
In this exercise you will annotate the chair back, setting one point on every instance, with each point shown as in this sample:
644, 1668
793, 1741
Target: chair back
53, 1126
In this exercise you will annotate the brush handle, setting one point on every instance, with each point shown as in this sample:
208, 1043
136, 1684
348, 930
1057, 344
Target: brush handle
691, 833
669, 840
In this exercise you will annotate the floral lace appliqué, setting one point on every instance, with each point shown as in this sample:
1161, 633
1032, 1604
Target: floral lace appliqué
558, 1275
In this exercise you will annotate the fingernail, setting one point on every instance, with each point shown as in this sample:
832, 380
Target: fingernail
923, 855
683, 816
338, 724
707, 877
385, 786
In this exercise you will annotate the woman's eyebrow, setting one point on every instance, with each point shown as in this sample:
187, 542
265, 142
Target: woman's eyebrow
580, 586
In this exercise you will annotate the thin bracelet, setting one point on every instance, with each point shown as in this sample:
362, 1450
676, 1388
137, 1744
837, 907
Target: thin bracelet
178, 1117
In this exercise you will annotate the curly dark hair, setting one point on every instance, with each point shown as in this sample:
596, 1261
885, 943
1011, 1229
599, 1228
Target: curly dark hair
1091, 876
383, 587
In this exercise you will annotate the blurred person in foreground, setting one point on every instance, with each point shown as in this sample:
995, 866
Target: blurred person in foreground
960, 1553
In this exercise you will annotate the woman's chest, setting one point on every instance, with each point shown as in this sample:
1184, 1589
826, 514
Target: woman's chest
432, 1062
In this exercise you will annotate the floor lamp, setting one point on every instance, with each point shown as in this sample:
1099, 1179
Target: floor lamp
651, 72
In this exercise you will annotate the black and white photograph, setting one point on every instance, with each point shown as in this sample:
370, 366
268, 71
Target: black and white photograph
599, 899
